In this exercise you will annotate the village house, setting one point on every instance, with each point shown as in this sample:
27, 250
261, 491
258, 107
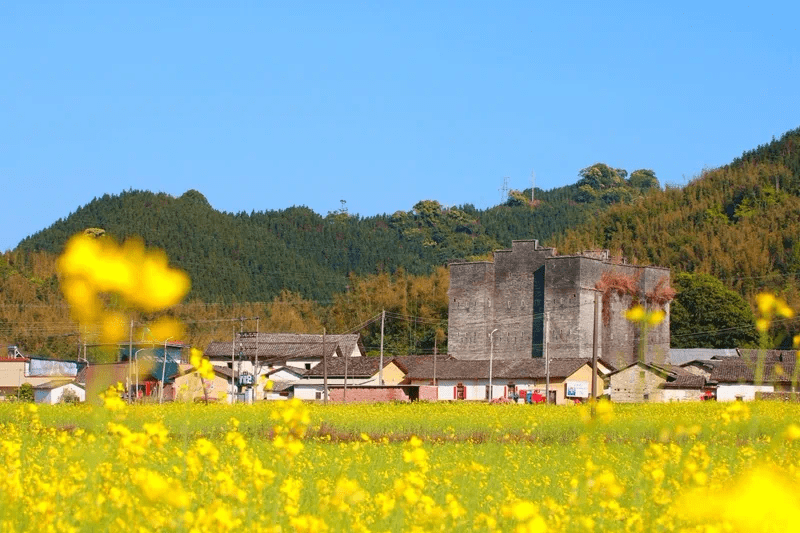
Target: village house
58, 391
254, 357
354, 379
740, 379
569, 379
16, 369
187, 386
650, 382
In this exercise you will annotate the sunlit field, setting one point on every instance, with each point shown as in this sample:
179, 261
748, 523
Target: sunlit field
289, 466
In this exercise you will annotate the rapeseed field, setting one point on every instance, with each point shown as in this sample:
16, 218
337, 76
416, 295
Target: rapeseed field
290, 466
295, 467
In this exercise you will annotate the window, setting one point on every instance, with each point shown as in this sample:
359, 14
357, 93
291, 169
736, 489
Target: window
308, 366
318, 395
460, 391
646, 396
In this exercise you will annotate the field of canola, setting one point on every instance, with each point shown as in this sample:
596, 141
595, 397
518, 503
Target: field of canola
289, 466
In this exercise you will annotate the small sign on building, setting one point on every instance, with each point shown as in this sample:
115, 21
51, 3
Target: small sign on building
577, 389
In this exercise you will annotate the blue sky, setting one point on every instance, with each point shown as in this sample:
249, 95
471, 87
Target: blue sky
262, 105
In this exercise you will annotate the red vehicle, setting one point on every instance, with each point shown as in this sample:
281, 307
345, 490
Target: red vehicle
536, 397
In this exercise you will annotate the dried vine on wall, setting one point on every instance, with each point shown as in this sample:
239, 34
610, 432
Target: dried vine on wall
612, 283
661, 294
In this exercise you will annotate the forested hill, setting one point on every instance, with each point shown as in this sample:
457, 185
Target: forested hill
740, 223
253, 257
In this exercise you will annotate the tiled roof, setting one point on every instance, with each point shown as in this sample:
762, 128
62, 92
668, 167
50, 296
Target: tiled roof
742, 371
768, 356
679, 356
501, 369
357, 367
681, 378
675, 377
409, 362
54, 384
283, 346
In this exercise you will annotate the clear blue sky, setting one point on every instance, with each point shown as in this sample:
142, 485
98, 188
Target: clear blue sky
262, 105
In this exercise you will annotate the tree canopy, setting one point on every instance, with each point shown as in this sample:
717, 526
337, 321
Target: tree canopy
706, 314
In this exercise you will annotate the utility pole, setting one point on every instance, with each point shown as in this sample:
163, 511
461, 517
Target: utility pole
324, 367
546, 358
130, 359
491, 360
380, 370
344, 392
595, 344
163, 372
255, 367
233, 363
435, 346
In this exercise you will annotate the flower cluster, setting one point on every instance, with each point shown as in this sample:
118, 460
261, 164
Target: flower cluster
136, 278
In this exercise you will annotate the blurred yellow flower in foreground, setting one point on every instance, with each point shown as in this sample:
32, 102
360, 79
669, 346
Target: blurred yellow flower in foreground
769, 307
639, 314
761, 500
140, 278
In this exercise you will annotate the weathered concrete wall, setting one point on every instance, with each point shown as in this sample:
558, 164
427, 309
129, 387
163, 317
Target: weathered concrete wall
528, 283
569, 309
469, 312
636, 384
368, 394
515, 313
682, 395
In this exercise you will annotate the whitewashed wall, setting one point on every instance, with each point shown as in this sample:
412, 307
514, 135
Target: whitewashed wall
728, 393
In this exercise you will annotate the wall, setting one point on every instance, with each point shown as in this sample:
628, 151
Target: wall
469, 310
189, 388
729, 393
681, 395
632, 384
53, 396
369, 394
527, 283
392, 375
428, 393
308, 392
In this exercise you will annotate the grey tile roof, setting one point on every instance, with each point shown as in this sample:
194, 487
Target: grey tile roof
679, 356
54, 384
357, 367
676, 377
501, 369
283, 346
743, 371
768, 356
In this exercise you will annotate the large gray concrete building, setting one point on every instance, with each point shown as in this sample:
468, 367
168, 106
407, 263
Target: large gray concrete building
528, 288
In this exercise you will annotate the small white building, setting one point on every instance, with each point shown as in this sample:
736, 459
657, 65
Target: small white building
57, 391
740, 380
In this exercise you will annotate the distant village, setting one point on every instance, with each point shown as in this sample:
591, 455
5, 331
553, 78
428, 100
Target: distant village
531, 326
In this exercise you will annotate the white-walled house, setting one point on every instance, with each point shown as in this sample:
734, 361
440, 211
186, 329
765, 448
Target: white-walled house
54, 391
275, 351
353, 372
738, 380
569, 379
